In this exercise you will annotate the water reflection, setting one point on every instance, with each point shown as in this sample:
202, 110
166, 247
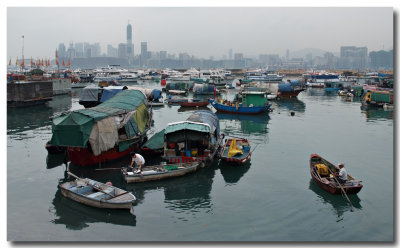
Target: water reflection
77, 216
232, 174
184, 195
29, 118
291, 104
248, 124
377, 113
338, 202
55, 160
315, 92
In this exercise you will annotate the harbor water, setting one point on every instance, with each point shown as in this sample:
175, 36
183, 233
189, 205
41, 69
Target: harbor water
272, 198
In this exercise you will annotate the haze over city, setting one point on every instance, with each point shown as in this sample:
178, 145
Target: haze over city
200, 31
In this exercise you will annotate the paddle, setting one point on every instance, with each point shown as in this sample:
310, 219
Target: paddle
94, 186
341, 188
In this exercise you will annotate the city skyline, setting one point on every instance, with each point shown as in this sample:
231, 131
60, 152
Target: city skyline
178, 30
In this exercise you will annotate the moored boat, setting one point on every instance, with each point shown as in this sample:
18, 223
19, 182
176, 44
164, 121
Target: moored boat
194, 103
196, 139
236, 150
96, 194
250, 103
180, 100
159, 172
321, 171
106, 132
378, 98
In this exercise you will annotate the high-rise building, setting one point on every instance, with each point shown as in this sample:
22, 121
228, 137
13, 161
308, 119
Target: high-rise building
79, 50
129, 44
122, 50
353, 57
61, 51
143, 50
163, 54
112, 51
238, 56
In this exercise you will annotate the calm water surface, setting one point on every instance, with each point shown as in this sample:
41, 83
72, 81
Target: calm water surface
272, 198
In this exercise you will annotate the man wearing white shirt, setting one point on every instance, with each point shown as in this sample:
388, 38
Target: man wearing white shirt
138, 160
342, 175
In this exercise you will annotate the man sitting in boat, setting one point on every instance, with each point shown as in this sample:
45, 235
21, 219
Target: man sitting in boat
137, 159
342, 175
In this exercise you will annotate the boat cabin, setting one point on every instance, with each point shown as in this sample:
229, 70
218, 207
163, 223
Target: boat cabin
196, 139
252, 98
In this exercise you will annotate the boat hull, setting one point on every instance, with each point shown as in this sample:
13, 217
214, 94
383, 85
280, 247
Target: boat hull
154, 173
193, 104
236, 160
84, 157
239, 110
123, 200
289, 94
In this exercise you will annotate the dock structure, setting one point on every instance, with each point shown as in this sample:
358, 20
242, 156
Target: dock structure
28, 93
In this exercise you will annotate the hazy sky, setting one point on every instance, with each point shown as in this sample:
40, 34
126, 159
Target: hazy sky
201, 31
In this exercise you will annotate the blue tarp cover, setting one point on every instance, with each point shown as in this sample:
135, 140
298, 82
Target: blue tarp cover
109, 92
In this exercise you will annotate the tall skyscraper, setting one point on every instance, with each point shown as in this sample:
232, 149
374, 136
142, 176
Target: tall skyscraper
129, 44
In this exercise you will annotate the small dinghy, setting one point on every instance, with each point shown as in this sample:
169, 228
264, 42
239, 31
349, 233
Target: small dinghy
96, 194
236, 151
321, 171
194, 103
158, 172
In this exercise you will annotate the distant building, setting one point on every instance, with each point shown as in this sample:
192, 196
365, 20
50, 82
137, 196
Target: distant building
230, 54
269, 59
122, 50
382, 59
238, 56
129, 45
143, 53
62, 51
79, 52
112, 51
352, 57
163, 54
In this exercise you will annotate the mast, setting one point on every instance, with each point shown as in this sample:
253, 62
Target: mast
23, 62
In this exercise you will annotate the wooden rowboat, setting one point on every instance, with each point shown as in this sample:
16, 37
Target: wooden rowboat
241, 154
96, 194
178, 100
327, 182
194, 103
159, 172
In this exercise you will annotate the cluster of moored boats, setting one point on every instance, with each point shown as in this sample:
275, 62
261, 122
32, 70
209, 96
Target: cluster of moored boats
117, 118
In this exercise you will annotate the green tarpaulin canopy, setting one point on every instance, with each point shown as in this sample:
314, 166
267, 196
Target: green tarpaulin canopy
75, 128
72, 130
156, 141
199, 127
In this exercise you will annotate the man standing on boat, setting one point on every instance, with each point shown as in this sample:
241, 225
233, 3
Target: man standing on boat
138, 160
342, 175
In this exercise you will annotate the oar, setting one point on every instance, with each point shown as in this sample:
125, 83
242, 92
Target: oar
94, 186
254, 148
344, 192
